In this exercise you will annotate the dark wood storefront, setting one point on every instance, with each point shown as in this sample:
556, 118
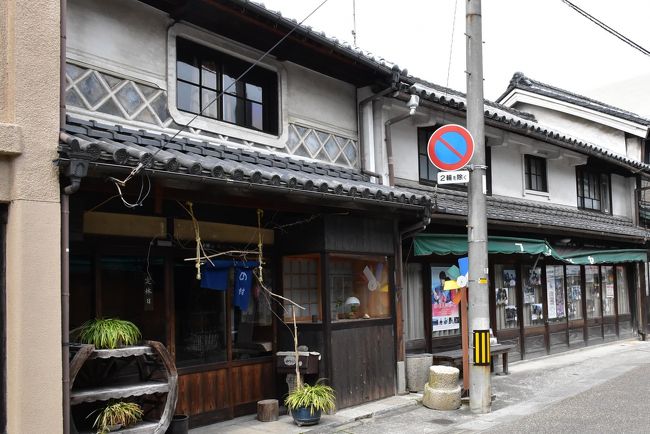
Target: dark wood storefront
226, 366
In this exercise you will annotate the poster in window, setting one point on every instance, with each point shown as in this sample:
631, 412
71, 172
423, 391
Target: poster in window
550, 292
502, 296
609, 290
529, 294
509, 277
511, 313
536, 311
444, 312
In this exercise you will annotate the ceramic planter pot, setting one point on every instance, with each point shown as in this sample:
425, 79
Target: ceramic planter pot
303, 416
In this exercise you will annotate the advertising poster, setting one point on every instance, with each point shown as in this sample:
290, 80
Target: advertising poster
444, 313
550, 292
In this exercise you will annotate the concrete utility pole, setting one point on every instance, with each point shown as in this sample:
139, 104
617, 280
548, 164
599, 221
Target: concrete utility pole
480, 389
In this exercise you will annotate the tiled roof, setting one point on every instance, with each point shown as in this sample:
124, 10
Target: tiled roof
521, 122
341, 46
105, 144
520, 81
501, 209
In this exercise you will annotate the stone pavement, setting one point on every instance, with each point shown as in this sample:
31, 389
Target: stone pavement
531, 387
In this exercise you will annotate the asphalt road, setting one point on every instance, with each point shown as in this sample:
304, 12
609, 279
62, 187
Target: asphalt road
604, 389
621, 405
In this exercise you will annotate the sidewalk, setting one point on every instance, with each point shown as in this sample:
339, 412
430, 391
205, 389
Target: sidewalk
530, 387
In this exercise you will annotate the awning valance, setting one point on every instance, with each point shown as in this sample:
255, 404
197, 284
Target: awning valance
454, 244
606, 257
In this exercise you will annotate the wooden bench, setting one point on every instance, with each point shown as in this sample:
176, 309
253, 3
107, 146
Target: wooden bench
455, 357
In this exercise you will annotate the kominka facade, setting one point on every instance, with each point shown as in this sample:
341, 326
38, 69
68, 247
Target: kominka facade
310, 161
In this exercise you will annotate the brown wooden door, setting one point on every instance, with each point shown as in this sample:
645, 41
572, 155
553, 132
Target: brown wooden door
363, 362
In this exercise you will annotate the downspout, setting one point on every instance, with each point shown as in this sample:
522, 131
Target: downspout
412, 104
399, 237
65, 236
361, 106
395, 79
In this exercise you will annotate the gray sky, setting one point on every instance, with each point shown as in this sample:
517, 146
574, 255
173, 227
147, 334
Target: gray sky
545, 39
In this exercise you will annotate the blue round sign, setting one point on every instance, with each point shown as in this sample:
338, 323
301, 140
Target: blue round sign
450, 147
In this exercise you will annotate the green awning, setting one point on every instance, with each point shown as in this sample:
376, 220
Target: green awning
606, 257
453, 244
442, 244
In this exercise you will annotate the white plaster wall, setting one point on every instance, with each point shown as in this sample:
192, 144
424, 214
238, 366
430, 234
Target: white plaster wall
125, 36
507, 171
319, 100
597, 134
562, 186
130, 39
622, 192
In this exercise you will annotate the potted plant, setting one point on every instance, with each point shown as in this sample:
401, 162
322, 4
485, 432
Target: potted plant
117, 415
307, 402
109, 333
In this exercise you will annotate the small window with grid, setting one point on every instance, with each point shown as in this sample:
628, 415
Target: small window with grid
535, 173
301, 284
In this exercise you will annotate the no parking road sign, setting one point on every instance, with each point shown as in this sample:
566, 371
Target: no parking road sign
450, 147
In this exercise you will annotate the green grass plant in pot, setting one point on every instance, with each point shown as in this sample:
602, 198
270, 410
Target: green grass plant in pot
109, 333
307, 402
117, 415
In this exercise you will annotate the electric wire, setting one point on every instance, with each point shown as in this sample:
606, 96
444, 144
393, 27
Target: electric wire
605, 27
140, 166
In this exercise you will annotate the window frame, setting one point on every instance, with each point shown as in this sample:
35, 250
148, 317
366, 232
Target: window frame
197, 56
237, 50
604, 193
541, 165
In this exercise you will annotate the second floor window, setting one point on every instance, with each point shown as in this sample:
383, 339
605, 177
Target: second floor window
202, 74
535, 173
428, 172
593, 191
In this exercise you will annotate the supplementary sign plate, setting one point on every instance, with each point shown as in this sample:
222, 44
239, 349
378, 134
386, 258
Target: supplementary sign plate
455, 177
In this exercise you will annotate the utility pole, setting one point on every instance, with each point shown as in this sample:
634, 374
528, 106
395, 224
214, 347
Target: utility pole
480, 391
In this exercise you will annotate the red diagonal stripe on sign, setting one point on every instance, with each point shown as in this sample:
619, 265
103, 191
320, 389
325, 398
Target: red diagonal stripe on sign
451, 148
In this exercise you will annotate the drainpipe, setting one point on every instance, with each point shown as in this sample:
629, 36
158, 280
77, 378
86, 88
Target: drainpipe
399, 237
412, 104
65, 236
396, 75
361, 106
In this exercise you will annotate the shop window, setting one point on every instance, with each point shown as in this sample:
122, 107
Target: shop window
609, 308
252, 317
505, 280
201, 318
592, 283
593, 191
132, 288
555, 293
532, 285
228, 293
359, 287
203, 73
301, 284
82, 290
445, 312
535, 173
622, 290
574, 292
